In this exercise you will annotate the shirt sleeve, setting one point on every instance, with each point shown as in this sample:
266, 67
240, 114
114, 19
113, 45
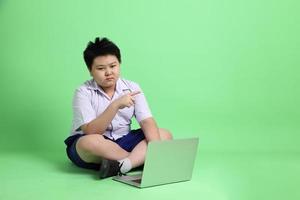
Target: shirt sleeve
141, 108
83, 111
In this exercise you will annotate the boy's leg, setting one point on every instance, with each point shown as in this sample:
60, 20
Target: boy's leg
137, 156
134, 159
92, 148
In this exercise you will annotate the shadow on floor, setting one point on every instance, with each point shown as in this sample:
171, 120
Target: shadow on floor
62, 164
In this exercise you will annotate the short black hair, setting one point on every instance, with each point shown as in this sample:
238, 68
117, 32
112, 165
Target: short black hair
101, 47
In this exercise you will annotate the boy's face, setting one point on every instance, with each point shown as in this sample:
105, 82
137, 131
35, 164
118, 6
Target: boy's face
106, 71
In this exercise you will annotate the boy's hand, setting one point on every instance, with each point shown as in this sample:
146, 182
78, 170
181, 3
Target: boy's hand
126, 100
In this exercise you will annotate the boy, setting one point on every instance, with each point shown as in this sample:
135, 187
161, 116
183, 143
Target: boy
101, 138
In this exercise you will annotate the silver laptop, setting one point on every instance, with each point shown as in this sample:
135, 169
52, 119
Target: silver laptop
166, 162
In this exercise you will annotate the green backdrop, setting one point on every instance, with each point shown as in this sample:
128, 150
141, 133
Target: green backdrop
224, 70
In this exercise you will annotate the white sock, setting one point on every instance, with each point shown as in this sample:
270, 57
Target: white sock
126, 166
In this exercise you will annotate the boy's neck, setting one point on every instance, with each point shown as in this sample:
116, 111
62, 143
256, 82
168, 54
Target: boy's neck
109, 91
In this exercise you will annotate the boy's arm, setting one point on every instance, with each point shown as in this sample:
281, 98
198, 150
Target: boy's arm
100, 124
150, 129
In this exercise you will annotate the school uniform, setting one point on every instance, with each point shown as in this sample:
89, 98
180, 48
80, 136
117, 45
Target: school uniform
90, 101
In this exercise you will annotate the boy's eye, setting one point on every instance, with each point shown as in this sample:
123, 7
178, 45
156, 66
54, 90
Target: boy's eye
112, 66
100, 68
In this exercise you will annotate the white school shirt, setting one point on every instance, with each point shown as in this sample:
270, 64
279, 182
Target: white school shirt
90, 101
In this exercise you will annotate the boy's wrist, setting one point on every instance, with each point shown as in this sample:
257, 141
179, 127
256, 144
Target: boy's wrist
115, 105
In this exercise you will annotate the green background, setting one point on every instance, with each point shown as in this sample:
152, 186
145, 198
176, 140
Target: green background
226, 71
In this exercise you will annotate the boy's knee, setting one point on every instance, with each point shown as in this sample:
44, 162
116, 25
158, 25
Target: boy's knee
89, 143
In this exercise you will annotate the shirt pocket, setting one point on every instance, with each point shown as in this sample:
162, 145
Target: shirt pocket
126, 114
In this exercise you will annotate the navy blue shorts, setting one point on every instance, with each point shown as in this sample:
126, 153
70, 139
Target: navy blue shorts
127, 142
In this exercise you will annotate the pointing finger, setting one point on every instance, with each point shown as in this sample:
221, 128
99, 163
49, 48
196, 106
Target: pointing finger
135, 93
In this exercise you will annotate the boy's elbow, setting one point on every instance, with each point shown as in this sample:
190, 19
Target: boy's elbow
147, 121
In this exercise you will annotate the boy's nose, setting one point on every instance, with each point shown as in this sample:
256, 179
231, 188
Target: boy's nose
108, 72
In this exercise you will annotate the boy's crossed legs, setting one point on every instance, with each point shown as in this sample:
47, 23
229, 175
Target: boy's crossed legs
95, 148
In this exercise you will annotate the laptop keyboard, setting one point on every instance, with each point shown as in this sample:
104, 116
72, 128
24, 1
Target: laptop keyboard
137, 180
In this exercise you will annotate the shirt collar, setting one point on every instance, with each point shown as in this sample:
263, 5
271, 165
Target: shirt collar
94, 86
